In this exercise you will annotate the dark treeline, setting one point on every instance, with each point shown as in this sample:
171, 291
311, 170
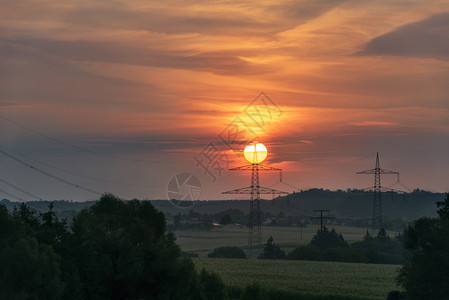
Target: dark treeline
351, 207
112, 250
328, 245
204, 222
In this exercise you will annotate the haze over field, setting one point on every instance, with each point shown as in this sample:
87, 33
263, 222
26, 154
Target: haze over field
120, 96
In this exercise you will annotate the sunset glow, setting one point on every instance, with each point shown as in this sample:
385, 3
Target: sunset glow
141, 89
255, 153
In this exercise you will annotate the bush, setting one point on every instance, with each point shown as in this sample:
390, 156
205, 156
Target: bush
333, 254
212, 286
227, 252
252, 291
272, 250
308, 252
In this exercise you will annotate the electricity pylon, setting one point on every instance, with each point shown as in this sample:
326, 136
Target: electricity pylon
377, 219
254, 190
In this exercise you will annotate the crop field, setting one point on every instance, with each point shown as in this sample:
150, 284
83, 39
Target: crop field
203, 242
306, 279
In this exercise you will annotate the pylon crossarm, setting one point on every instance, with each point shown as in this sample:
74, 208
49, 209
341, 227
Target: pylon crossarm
381, 171
372, 171
268, 168
262, 190
259, 167
246, 167
245, 190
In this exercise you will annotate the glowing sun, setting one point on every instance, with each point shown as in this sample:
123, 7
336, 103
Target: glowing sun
255, 152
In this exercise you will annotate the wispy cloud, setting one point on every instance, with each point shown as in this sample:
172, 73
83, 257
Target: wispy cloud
375, 123
426, 38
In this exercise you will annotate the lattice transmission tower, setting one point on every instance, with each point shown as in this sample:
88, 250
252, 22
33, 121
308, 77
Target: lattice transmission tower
255, 190
377, 218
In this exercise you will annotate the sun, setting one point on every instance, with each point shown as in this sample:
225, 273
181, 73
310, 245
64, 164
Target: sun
255, 152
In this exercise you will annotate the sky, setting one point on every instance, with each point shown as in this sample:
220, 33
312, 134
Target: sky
122, 96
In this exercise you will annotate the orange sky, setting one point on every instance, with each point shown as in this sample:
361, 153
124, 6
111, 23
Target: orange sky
158, 80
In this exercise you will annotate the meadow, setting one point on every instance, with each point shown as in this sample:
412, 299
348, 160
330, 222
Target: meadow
304, 279
203, 242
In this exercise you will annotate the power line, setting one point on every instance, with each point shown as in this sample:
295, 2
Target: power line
413, 173
77, 174
20, 189
48, 174
88, 150
10, 195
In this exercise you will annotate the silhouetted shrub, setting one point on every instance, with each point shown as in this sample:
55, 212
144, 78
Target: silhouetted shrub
272, 250
308, 252
252, 291
227, 252
333, 254
212, 286
226, 219
396, 295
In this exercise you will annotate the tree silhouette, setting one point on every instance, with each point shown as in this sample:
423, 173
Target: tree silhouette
426, 275
226, 219
324, 239
272, 251
121, 251
29, 269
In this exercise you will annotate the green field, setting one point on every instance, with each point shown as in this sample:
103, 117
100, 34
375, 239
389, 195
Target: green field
311, 280
203, 242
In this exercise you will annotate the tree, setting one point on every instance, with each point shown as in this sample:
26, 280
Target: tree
121, 251
226, 219
212, 286
29, 269
328, 239
425, 276
272, 250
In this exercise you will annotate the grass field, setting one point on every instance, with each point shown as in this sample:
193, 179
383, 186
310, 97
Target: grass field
203, 242
306, 279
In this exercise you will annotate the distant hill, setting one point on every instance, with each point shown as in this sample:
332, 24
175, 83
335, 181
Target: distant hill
343, 204
351, 204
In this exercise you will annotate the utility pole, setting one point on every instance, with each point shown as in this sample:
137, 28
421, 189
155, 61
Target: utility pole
321, 217
377, 218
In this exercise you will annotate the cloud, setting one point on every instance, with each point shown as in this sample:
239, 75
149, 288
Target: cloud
219, 62
428, 38
375, 123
